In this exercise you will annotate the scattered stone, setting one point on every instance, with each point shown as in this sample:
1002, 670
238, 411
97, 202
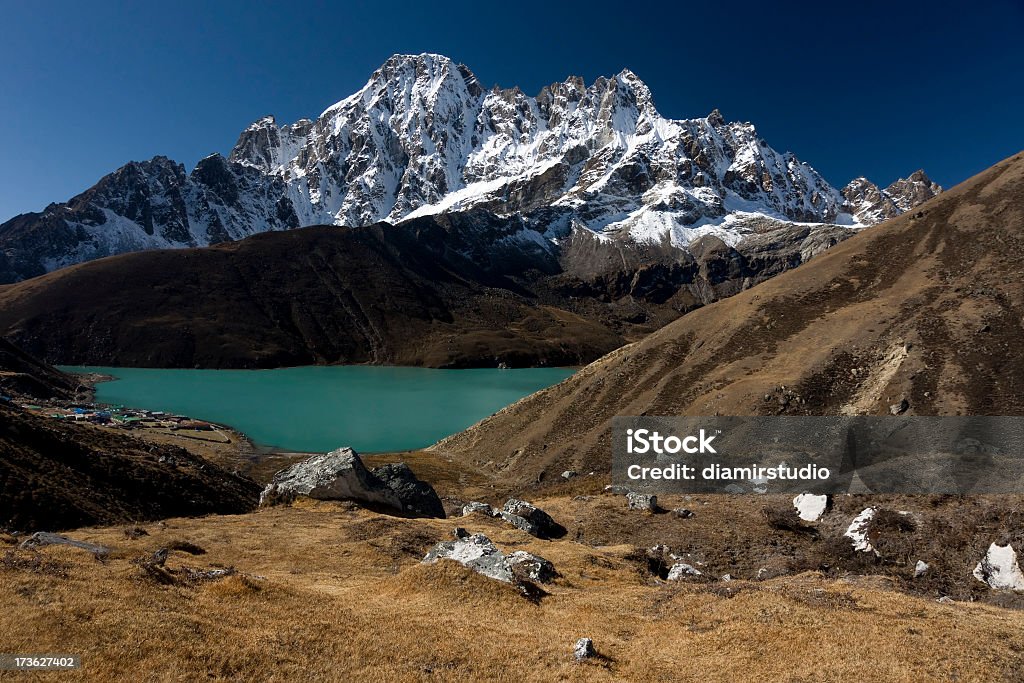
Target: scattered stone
920, 569
726, 577
811, 507
647, 502
857, 532
999, 568
682, 570
41, 538
683, 513
477, 506
544, 525
459, 532
899, 408
617, 490
159, 557
584, 649
945, 600
524, 565
568, 474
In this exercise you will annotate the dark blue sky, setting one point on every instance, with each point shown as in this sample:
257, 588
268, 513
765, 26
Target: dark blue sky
852, 88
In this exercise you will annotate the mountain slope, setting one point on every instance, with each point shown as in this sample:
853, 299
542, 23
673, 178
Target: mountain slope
925, 307
423, 137
24, 375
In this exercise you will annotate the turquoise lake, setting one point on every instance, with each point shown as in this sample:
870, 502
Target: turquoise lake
320, 408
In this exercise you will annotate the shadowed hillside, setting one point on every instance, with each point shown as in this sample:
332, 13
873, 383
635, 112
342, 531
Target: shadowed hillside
57, 475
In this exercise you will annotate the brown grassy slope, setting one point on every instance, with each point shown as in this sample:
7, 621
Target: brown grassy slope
946, 279
331, 593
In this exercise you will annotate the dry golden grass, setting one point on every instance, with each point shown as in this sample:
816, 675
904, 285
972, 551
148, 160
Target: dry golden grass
333, 592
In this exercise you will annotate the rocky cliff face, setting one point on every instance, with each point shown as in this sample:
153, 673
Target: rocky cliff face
871, 204
423, 137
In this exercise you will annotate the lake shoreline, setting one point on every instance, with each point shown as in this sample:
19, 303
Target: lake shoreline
296, 412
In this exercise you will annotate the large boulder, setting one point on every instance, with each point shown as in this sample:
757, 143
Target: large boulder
418, 497
341, 475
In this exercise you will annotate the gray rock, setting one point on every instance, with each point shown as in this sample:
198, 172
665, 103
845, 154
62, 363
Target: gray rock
583, 649
617, 490
531, 567
683, 513
545, 526
41, 538
899, 408
920, 569
476, 552
338, 475
417, 497
341, 475
520, 523
459, 532
682, 570
568, 474
477, 506
642, 501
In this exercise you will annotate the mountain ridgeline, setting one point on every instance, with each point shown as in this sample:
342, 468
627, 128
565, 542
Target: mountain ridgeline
451, 290
423, 137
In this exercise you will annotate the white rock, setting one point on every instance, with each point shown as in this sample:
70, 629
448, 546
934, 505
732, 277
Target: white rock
920, 568
858, 531
999, 568
682, 571
584, 649
810, 506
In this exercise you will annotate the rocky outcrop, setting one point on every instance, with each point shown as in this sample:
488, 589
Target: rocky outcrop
341, 475
42, 538
477, 552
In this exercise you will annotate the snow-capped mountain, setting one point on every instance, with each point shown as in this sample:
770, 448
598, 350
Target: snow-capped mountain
423, 137
871, 204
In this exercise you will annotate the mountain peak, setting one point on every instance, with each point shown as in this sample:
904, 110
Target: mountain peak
715, 118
